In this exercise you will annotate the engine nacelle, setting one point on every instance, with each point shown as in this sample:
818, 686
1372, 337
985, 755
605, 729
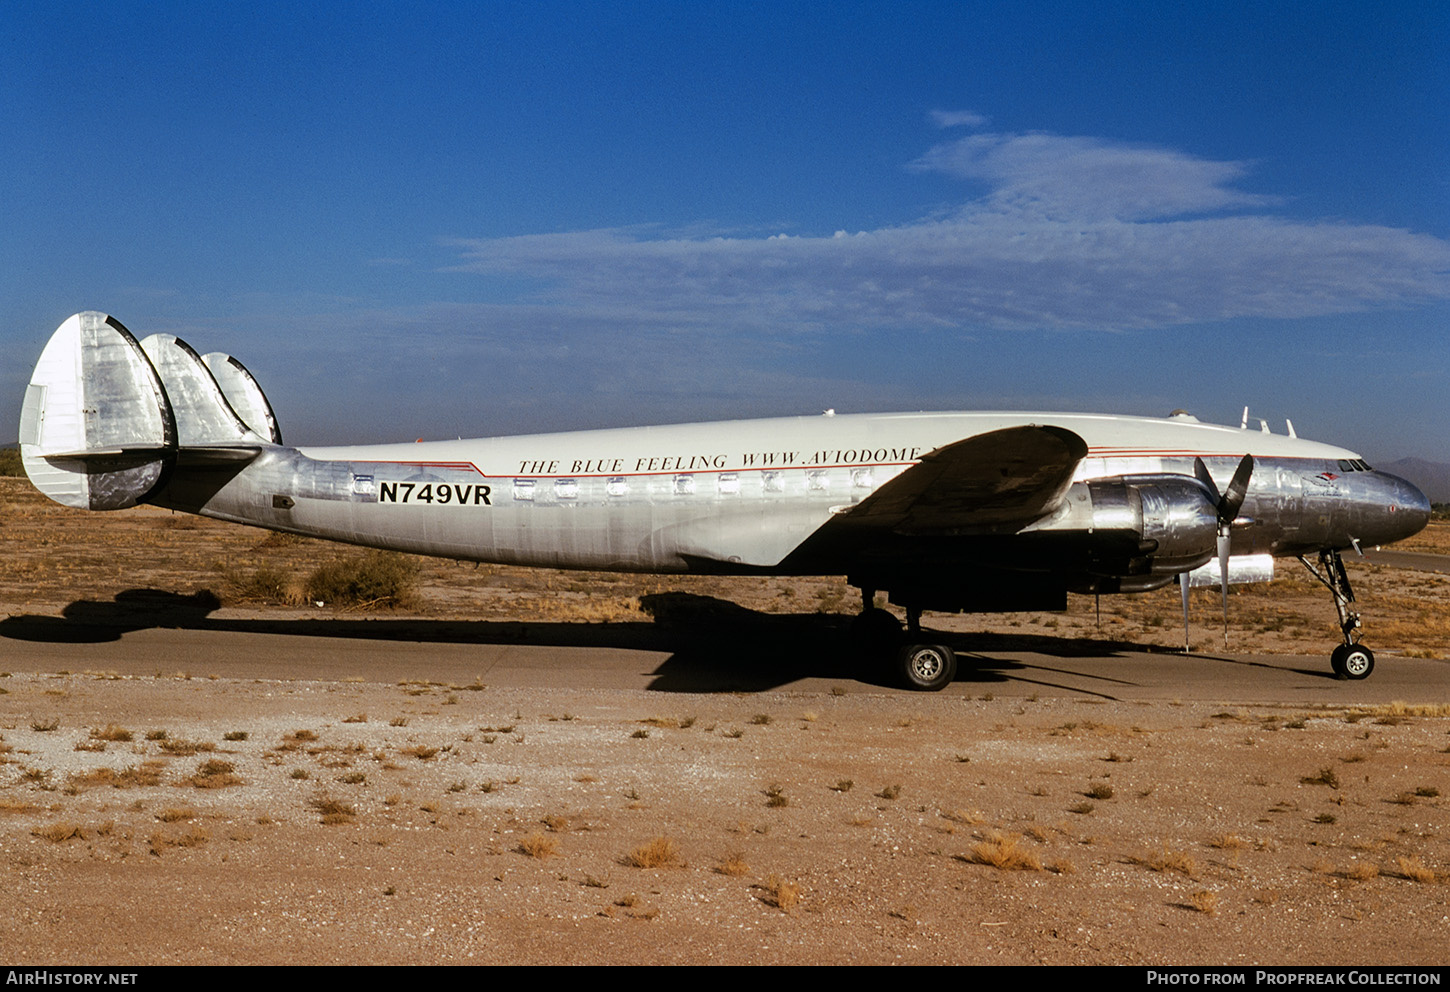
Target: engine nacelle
1172, 521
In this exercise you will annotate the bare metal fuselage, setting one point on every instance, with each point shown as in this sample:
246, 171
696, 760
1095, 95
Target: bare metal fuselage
758, 495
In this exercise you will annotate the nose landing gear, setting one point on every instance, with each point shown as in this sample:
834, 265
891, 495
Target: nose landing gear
1351, 660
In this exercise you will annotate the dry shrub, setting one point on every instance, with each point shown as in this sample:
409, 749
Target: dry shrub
148, 774
184, 748
1228, 842
1166, 860
1327, 776
59, 833
557, 824
263, 585
215, 774
782, 893
659, 853
334, 811
194, 837
733, 865
113, 733
378, 579
1004, 851
1205, 902
1363, 872
173, 814
1415, 870
538, 845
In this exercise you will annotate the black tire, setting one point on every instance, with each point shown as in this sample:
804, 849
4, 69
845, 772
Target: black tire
926, 667
1336, 660
1357, 662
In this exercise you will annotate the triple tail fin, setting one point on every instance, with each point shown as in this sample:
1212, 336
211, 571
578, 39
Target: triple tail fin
106, 418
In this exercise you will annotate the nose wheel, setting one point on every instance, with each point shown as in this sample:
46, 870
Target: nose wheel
1352, 661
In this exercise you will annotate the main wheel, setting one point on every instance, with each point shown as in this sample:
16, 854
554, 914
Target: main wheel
1357, 662
926, 667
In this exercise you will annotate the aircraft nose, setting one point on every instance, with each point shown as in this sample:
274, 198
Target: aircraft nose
1405, 512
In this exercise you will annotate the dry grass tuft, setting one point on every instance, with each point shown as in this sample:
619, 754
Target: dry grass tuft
658, 853
148, 774
1414, 870
1326, 776
1228, 842
59, 833
173, 814
1205, 902
113, 733
334, 811
733, 865
1166, 860
1363, 872
181, 748
538, 845
1004, 852
215, 774
782, 893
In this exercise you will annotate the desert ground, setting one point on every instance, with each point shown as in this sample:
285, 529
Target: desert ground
164, 802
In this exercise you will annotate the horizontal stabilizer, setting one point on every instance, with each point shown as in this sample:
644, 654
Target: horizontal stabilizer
96, 429
244, 394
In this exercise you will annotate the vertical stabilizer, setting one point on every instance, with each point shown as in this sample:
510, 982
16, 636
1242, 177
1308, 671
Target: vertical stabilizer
96, 430
244, 394
204, 418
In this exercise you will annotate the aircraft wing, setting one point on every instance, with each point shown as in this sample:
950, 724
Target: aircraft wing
993, 480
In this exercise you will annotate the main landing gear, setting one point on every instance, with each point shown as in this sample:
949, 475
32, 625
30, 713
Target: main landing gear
877, 634
1351, 660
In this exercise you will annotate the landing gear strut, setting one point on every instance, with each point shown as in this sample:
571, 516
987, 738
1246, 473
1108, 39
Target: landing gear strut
1351, 660
877, 634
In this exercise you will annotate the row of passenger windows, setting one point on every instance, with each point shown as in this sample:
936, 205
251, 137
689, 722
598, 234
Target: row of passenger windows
725, 484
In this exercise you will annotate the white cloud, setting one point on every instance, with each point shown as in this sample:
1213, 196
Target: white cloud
958, 118
1070, 232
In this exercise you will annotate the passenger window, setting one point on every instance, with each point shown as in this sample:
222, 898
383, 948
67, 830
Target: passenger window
617, 486
773, 482
566, 488
863, 478
729, 483
524, 490
817, 480
684, 485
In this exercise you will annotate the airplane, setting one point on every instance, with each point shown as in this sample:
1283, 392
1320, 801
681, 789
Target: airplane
950, 512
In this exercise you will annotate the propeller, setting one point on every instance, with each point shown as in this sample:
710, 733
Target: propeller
1227, 506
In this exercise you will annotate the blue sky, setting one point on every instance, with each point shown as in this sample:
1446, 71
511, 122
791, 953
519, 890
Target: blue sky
434, 220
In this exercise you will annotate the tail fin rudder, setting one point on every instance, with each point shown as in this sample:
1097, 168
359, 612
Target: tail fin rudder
97, 430
245, 395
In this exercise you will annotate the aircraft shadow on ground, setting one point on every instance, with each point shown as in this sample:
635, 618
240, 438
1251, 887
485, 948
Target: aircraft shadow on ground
713, 644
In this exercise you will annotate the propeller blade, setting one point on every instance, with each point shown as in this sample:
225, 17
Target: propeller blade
1183, 588
1231, 500
1238, 488
1223, 551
